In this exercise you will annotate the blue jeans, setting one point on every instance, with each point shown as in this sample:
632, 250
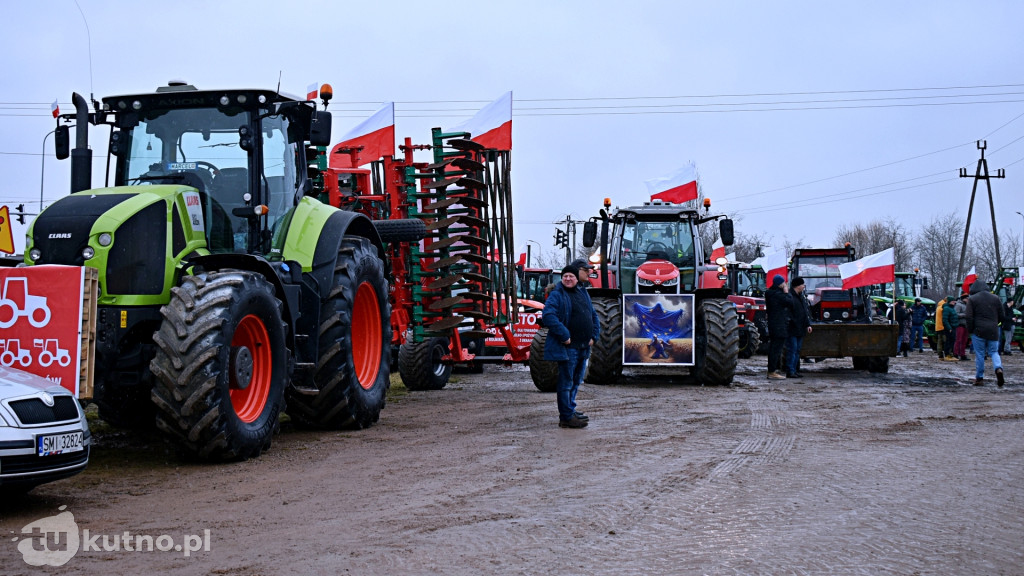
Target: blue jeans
981, 348
793, 344
570, 376
917, 337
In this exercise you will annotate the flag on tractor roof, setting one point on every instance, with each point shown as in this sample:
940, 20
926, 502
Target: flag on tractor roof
678, 187
55, 109
877, 268
491, 127
772, 264
311, 91
371, 140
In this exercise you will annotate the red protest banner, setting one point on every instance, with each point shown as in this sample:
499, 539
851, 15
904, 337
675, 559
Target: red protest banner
41, 321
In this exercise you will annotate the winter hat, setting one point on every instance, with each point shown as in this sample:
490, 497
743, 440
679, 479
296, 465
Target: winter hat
570, 270
777, 280
798, 281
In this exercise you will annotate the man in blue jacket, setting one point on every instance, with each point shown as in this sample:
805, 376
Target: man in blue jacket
572, 326
918, 314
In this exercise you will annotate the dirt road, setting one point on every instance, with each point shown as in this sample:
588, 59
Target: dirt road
841, 472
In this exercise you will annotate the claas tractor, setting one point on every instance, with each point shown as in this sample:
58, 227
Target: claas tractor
652, 306
747, 286
843, 320
226, 288
454, 295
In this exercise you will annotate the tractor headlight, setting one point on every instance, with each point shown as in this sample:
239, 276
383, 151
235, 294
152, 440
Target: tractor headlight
826, 315
104, 239
35, 254
846, 314
671, 282
644, 282
88, 252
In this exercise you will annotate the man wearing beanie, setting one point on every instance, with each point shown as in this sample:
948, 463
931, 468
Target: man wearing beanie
573, 326
779, 306
799, 326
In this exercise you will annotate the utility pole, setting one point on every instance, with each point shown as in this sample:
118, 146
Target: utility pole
981, 173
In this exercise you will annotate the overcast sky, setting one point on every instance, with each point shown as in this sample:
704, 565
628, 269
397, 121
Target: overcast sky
799, 116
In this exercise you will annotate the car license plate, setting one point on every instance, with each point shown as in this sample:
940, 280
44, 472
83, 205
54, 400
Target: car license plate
53, 444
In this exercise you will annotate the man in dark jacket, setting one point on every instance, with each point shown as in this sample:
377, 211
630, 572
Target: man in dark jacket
984, 314
779, 307
799, 326
1006, 337
951, 321
918, 314
572, 325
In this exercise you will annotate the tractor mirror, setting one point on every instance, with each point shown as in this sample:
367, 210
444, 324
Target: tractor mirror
725, 231
320, 129
924, 283
589, 234
62, 142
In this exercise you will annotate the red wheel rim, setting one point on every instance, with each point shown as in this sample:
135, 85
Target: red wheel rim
366, 335
250, 401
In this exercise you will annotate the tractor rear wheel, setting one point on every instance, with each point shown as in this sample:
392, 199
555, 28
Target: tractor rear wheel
420, 366
749, 341
605, 364
716, 342
353, 366
543, 372
878, 364
221, 365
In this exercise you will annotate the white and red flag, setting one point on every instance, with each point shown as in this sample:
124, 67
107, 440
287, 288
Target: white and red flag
710, 279
491, 127
772, 264
55, 109
677, 187
521, 261
971, 277
877, 268
371, 140
312, 90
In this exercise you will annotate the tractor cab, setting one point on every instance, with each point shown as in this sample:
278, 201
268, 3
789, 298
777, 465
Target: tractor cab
653, 250
828, 300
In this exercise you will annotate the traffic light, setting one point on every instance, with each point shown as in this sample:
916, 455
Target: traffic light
561, 239
21, 213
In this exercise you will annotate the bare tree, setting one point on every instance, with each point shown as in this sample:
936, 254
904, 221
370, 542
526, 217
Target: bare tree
981, 253
876, 236
937, 250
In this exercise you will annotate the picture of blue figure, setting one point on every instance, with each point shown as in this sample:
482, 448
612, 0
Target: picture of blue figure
659, 347
658, 329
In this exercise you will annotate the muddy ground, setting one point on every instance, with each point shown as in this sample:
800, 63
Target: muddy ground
841, 472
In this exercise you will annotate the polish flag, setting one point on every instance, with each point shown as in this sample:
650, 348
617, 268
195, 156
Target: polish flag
731, 256
491, 127
969, 279
772, 264
371, 140
877, 268
55, 109
677, 187
522, 258
710, 278
311, 91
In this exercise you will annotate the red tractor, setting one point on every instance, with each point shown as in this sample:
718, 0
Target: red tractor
747, 284
454, 293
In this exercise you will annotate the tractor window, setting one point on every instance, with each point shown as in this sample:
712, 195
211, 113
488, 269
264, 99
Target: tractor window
671, 241
820, 271
280, 178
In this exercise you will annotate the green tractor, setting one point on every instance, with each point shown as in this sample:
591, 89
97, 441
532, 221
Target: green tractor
1009, 288
226, 288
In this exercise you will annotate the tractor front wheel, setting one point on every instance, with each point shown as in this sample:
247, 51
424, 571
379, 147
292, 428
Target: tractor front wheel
353, 369
605, 364
749, 341
717, 342
220, 365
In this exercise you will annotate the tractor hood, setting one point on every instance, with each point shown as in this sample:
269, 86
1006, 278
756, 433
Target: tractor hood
62, 231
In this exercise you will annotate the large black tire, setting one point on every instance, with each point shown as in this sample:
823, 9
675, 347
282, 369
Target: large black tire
353, 368
878, 364
749, 341
605, 364
860, 362
762, 333
716, 343
221, 365
543, 372
420, 366
401, 230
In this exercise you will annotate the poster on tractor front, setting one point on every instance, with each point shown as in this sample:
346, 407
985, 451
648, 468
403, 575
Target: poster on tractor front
657, 329
41, 321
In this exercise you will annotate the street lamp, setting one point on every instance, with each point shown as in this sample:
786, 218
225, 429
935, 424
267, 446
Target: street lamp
528, 259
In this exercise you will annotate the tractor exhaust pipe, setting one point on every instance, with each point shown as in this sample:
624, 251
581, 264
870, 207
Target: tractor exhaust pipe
81, 156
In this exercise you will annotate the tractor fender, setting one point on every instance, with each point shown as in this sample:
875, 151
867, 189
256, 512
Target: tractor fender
604, 293
279, 274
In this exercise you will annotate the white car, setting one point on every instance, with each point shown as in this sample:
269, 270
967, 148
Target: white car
43, 432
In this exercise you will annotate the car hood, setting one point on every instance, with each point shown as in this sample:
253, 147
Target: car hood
14, 383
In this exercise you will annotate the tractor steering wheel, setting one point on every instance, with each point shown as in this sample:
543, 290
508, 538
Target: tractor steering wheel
657, 247
208, 173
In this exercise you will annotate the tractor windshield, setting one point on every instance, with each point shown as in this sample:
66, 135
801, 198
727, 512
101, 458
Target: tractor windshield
904, 287
820, 272
672, 241
750, 282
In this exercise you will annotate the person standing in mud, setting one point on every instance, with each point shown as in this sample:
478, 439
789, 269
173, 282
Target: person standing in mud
918, 314
799, 326
984, 315
572, 325
779, 306
903, 321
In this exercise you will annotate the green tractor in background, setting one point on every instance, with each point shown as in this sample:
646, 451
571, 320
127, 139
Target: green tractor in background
1008, 287
908, 289
226, 288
